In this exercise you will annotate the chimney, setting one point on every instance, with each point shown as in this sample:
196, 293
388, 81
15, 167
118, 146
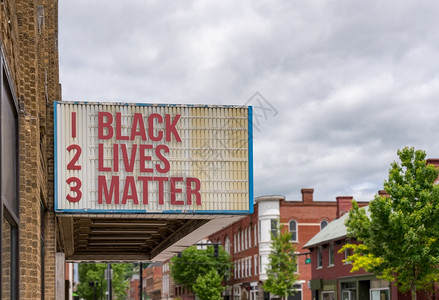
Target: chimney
307, 195
344, 204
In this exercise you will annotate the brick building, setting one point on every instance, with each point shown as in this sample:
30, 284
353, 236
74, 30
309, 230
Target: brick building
248, 240
152, 276
133, 289
331, 276
29, 84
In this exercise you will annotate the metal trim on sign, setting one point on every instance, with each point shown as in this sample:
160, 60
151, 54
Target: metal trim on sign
232, 136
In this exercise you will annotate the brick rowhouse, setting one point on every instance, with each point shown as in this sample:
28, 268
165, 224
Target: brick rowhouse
248, 240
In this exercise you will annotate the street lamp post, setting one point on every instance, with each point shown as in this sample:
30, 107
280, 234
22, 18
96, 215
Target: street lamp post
93, 284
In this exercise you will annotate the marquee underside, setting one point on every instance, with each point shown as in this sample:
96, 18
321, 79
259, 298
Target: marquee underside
134, 238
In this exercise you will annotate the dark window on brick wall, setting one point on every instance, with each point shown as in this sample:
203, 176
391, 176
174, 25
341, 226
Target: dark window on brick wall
319, 257
9, 207
9, 147
323, 224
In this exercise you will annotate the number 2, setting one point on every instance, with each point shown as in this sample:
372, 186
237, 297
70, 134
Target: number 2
72, 164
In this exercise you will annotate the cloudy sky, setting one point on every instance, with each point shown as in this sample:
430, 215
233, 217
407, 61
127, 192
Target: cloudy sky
337, 86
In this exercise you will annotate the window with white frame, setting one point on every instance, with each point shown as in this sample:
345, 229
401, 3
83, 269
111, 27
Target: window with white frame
319, 257
249, 266
239, 241
253, 292
331, 254
235, 269
347, 252
380, 294
237, 293
227, 245
165, 284
259, 232
242, 268
245, 239
293, 230
234, 244
255, 259
274, 227
238, 268
256, 235
297, 261
250, 237
328, 295
242, 240
298, 293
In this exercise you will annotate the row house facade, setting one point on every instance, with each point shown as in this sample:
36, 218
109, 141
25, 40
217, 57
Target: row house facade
152, 281
331, 274
248, 240
332, 277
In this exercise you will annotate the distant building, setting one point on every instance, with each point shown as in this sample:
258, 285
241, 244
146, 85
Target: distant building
168, 287
248, 240
332, 278
133, 292
153, 281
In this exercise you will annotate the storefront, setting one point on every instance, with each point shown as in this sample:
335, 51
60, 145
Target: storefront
351, 288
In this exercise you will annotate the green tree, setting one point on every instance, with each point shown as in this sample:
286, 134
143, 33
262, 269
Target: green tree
400, 232
282, 267
193, 263
209, 287
95, 272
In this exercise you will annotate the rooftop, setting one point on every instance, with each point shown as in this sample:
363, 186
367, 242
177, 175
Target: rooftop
335, 230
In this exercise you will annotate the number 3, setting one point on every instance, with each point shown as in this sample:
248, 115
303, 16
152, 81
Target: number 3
76, 188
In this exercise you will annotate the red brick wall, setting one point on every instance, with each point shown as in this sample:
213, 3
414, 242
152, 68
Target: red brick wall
32, 58
134, 289
308, 216
340, 269
230, 231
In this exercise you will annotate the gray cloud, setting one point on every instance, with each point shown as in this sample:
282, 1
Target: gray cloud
352, 81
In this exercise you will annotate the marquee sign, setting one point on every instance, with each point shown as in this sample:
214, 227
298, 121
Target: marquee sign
139, 158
